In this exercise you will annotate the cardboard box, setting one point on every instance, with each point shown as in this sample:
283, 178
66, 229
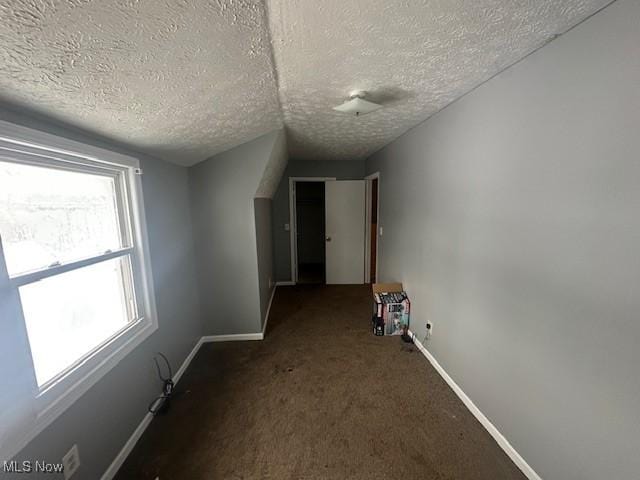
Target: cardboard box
391, 309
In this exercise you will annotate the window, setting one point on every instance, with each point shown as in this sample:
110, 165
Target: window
68, 250
73, 260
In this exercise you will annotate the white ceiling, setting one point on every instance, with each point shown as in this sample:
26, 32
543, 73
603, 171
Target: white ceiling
179, 79
185, 79
415, 56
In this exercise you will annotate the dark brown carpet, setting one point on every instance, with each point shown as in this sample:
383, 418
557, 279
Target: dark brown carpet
319, 398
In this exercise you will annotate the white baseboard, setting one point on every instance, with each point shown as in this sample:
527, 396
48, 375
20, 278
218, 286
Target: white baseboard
187, 361
111, 471
241, 337
266, 315
235, 337
288, 283
486, 423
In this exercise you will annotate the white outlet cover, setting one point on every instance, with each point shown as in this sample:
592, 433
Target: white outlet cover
71, 462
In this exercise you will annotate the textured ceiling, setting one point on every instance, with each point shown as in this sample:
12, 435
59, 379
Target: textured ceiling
274, 168
415, 57
185, 79
179, 79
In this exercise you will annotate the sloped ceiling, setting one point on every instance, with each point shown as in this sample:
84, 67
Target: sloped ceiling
414, 57
274, 168
186, 79
179, 79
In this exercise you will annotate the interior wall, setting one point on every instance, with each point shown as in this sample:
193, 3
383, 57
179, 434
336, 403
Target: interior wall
511, 217
264, 250
222, 200
341, 170
102, 420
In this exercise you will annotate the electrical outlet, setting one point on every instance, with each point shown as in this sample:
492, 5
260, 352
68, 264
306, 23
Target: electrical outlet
429, 326
71, 462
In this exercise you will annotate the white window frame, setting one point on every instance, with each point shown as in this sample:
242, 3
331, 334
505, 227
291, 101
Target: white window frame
49, 401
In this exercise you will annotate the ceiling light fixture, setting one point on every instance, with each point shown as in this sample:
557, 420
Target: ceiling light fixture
357, 105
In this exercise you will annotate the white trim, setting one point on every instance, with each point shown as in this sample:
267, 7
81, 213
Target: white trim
113, 468
62, 403
37, 139
124, 452
234, 337
266, 315
293, 240
288, 283
37, 275
122, 455
486, 423
187, 361
47, 405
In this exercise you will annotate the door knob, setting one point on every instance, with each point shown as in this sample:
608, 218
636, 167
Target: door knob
328, 239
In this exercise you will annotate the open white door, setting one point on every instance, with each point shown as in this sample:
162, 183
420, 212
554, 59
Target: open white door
344, 231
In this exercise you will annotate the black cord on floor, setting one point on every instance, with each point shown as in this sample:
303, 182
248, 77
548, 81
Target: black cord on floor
161, 403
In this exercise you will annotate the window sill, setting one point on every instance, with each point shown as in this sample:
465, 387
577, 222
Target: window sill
31, 410
57, 398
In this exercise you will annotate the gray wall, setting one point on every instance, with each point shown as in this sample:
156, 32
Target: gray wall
342, 170
512, 218
264, 250
102, 420
222, 199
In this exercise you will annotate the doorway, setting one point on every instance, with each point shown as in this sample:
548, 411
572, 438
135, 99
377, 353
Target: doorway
310, 232
330, 211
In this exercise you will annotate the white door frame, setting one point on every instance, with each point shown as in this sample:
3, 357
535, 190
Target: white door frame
367, 240
293, 237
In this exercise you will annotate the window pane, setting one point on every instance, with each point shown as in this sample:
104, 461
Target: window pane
70, 314
49, 215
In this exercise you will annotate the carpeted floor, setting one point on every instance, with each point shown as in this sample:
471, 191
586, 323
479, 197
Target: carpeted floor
319, 398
